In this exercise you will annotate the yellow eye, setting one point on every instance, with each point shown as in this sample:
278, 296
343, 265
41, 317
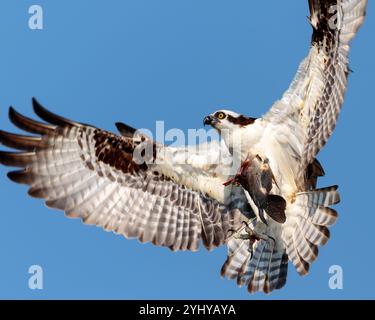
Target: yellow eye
221, 116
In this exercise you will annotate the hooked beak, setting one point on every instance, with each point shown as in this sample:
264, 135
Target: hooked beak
209, 120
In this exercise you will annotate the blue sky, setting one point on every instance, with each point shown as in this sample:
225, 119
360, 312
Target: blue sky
138, 61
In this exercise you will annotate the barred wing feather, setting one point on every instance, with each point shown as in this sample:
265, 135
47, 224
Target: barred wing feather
90, 174
309, 109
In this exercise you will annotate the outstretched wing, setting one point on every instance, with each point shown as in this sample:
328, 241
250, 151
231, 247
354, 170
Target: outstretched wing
309, 109
91, 174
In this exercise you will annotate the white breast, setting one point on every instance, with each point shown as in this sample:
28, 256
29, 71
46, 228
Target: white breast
269, 142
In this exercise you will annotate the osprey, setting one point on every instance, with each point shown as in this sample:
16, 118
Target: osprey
267, 214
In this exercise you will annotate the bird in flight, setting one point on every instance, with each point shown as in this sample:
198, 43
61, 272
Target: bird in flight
268, 213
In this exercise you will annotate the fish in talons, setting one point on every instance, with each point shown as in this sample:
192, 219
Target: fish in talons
256, 178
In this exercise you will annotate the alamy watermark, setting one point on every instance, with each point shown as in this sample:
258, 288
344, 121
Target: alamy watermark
199, 146
336, 280
36, 279
36, 17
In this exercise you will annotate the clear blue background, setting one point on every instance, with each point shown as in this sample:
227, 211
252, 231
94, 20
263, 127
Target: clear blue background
139, 61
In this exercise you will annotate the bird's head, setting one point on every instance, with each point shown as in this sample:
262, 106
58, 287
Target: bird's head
225, 119
228, 123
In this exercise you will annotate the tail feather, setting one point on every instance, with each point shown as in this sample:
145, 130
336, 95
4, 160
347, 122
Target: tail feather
278, 271
262, 265
248, 270
318, 235
324, 216
238, 253
307, 226
301, 265
259, 266
306, 250
320, 197
258, 281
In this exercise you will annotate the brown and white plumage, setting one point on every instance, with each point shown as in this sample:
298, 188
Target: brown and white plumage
178, 197
290, 135
304, 119
309, 109
90, 174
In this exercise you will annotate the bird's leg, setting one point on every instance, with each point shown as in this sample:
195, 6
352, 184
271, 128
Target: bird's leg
236, 233
253, 235
250, 234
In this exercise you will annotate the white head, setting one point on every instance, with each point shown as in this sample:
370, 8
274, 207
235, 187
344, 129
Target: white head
228, 123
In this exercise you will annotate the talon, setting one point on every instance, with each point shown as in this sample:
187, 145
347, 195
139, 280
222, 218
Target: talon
250, 234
